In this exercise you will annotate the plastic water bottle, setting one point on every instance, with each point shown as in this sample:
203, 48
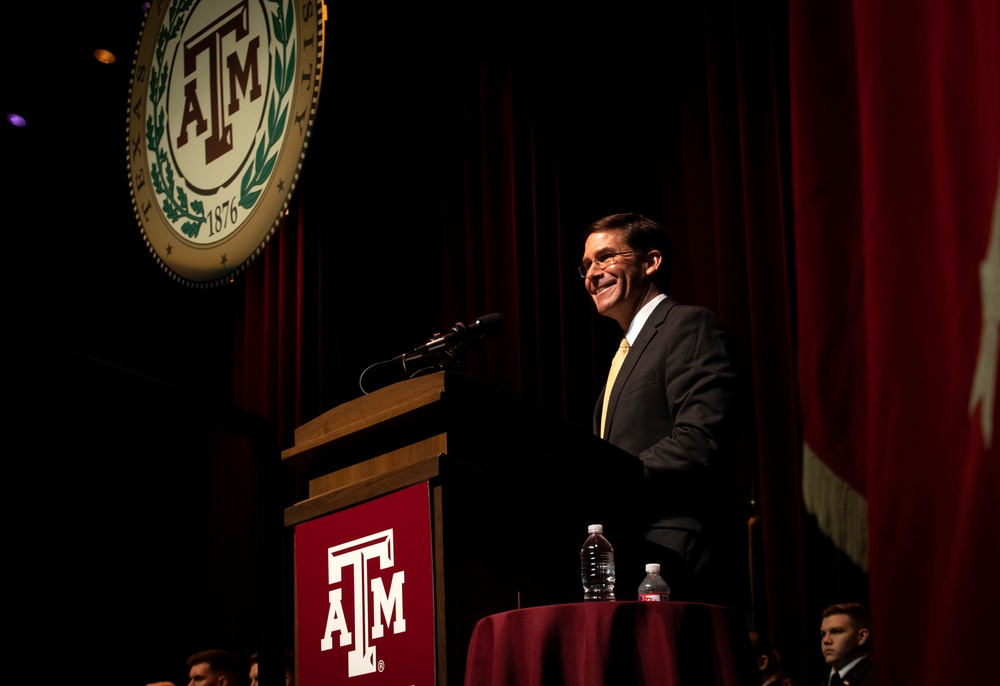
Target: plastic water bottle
654, 586
597, 565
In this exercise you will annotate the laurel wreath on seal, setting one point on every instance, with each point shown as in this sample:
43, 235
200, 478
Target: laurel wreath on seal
175, 201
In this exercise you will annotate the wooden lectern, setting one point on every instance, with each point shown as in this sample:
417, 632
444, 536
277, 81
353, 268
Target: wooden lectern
511, 493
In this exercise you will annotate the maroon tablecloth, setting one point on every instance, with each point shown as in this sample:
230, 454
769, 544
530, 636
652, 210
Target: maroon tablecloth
619, 643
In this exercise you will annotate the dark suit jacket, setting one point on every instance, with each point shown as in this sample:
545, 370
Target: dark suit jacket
673, 405
861, 674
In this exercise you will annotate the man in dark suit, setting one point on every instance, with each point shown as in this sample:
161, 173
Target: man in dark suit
671, 404
846, 639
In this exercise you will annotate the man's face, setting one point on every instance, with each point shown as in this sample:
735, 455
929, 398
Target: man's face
841, 641
201, 675
620, 289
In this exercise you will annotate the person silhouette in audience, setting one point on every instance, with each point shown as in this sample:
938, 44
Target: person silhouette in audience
289, 669
213, 667
845, 638
768, 661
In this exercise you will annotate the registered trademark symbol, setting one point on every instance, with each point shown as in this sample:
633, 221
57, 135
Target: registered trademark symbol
381, 665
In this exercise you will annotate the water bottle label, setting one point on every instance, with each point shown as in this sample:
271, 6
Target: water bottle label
653, 596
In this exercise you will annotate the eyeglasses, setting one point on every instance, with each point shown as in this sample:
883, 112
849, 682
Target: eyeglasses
604, 261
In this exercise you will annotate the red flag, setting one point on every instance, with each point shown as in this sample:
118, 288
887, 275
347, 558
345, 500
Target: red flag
919, 303
830, 269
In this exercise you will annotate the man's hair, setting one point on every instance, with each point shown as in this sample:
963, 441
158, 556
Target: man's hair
642, 234
858, 614
856, 611
218, 661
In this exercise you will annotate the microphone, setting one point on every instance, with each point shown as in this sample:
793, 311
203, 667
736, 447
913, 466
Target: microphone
458, 335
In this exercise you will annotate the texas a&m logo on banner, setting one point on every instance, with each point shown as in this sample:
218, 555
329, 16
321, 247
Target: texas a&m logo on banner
365, 593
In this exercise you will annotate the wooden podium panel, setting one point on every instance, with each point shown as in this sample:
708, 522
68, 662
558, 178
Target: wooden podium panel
511, 493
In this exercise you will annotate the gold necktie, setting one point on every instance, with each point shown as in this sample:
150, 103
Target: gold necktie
616, 364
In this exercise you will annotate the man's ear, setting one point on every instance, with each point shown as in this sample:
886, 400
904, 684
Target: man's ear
654, 259
862, 636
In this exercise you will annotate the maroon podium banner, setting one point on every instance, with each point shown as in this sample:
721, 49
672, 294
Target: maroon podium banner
364, 587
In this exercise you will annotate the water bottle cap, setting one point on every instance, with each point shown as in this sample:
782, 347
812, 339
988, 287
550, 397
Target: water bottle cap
653, 567
595, 529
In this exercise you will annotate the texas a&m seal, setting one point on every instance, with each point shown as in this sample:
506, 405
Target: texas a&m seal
222, 102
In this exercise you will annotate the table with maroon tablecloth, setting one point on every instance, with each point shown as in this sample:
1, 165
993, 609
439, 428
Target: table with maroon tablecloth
623, 642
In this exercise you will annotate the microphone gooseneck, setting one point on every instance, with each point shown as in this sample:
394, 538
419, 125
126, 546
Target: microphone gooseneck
458, 335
